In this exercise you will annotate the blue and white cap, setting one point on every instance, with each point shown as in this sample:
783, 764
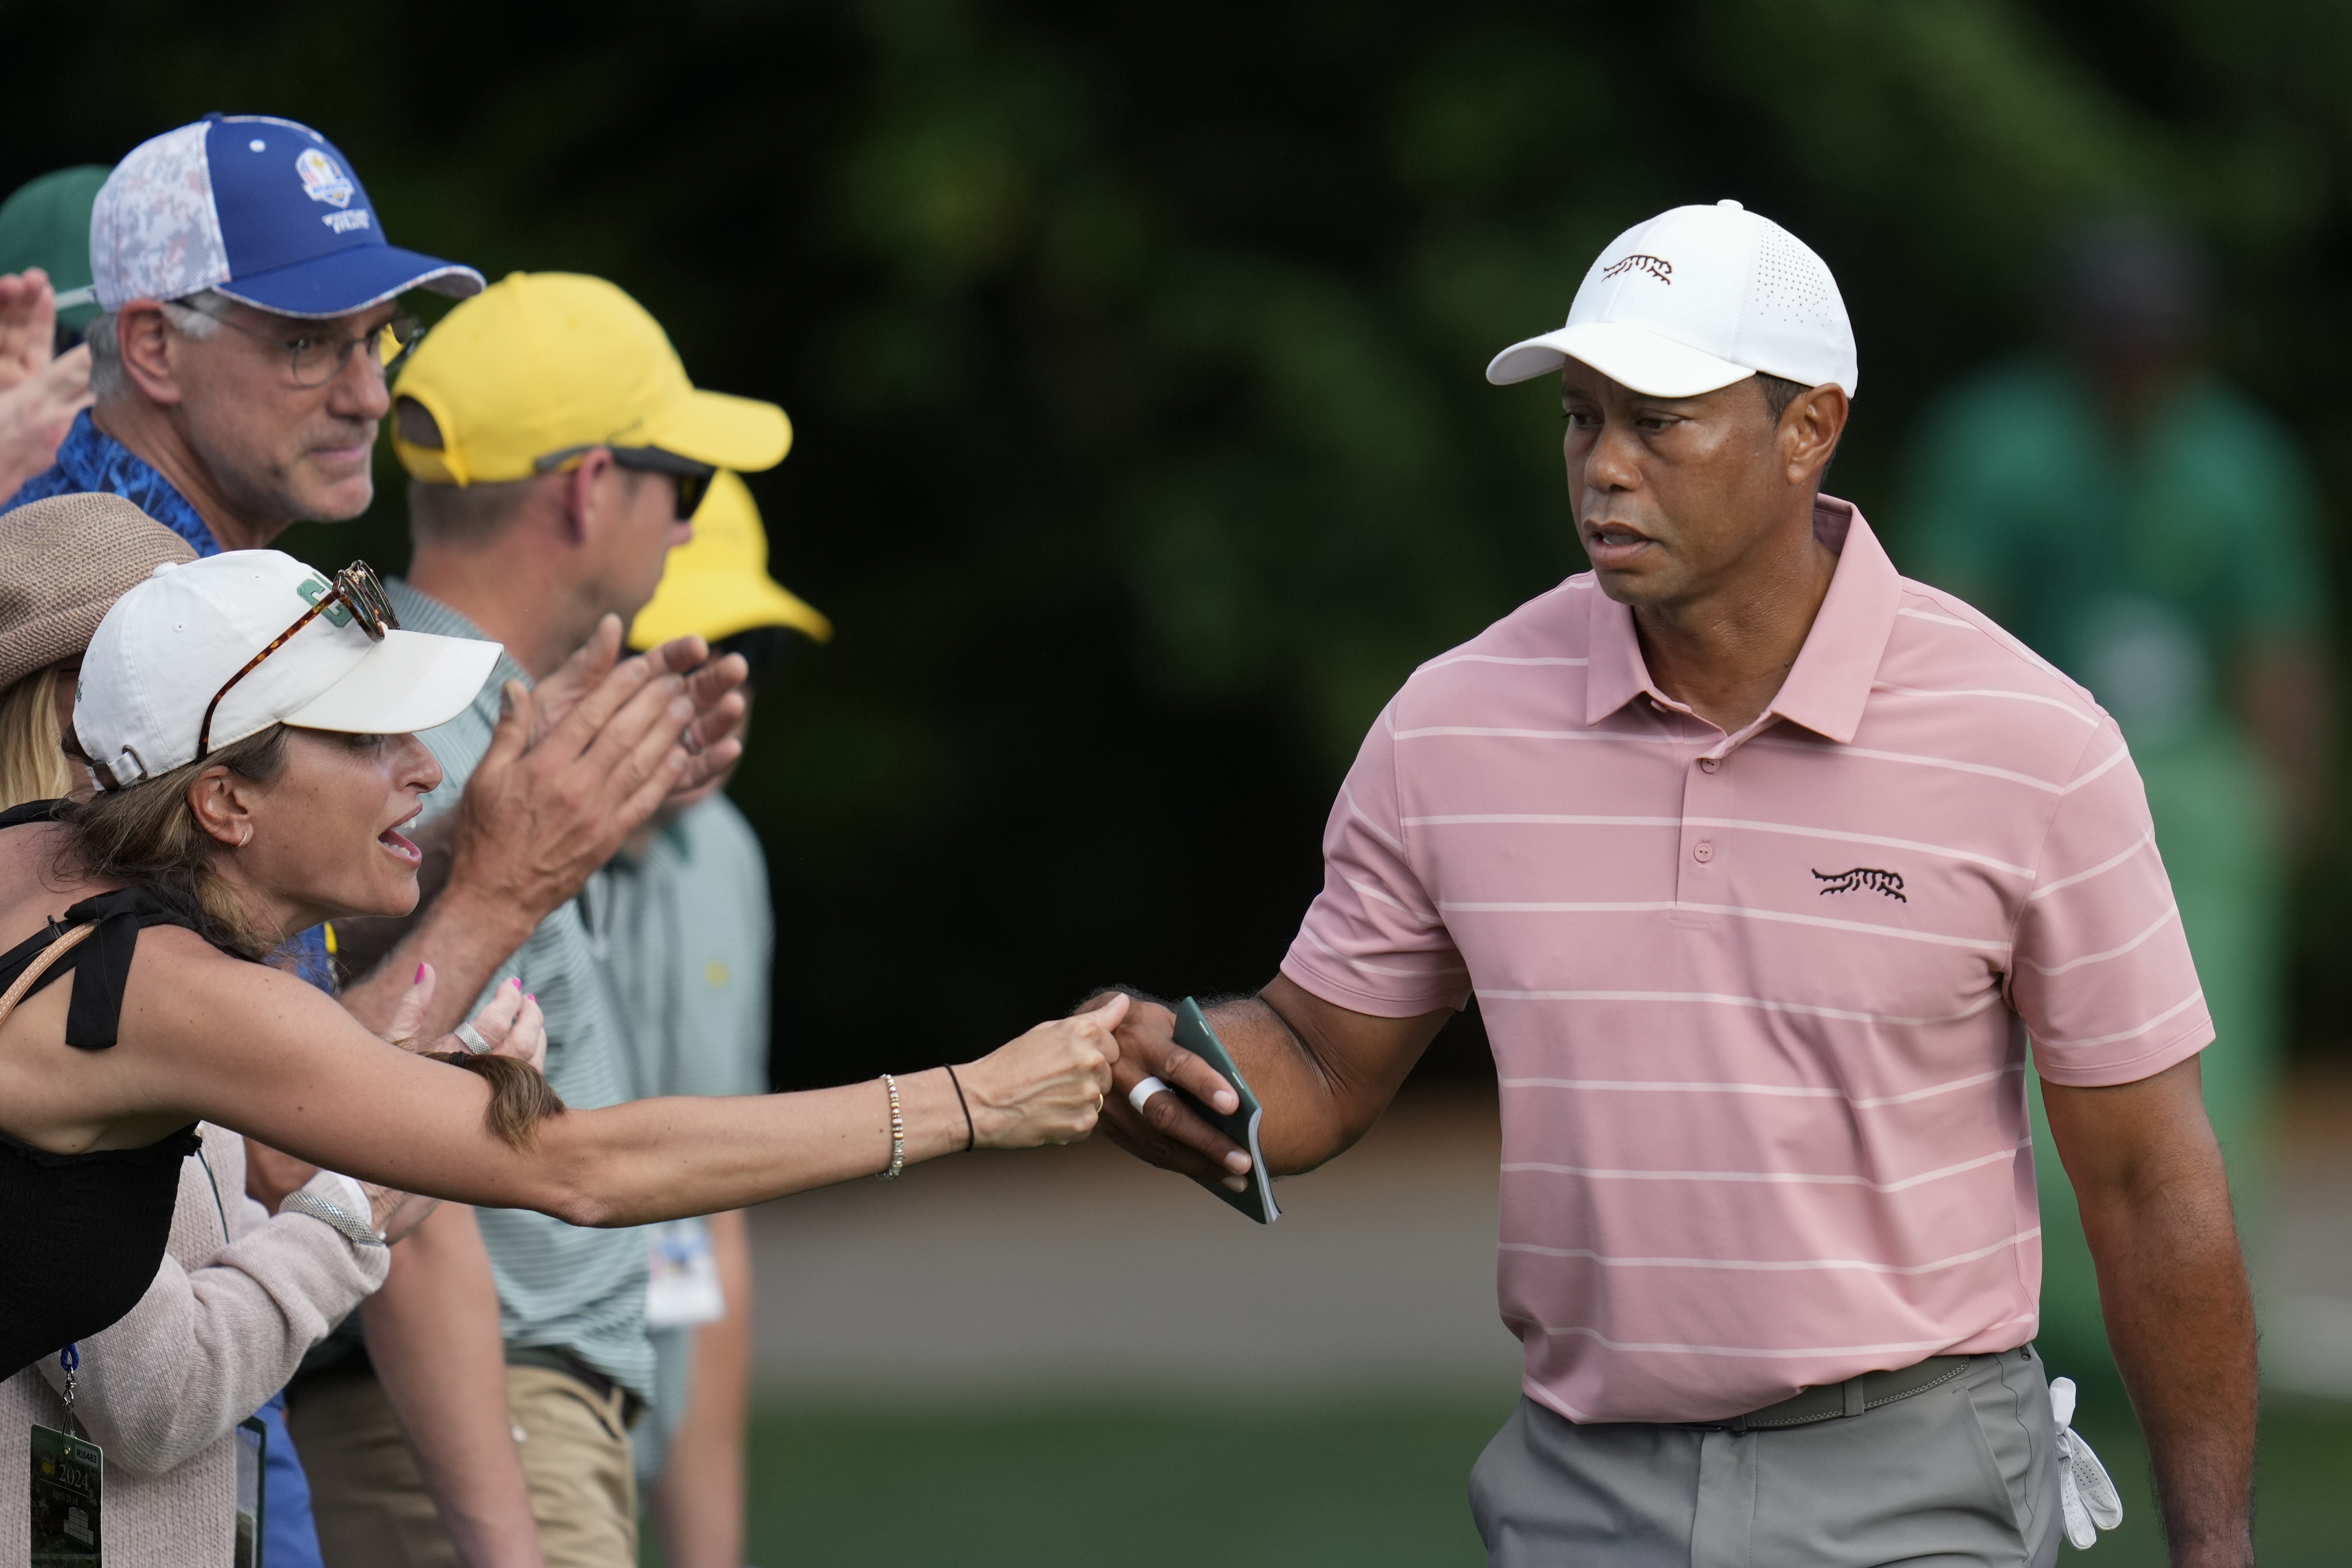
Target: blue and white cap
262, 209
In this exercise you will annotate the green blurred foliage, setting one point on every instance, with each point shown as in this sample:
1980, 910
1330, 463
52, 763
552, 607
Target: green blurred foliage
1135, 352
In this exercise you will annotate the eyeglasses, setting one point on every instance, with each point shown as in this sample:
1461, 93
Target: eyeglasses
316, 357
693, 478
360, 594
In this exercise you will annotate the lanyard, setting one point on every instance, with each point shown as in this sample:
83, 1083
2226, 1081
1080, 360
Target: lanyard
67, 1479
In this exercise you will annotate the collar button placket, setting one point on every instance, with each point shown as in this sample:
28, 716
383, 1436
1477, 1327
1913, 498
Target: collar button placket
1701, 862
1696, 878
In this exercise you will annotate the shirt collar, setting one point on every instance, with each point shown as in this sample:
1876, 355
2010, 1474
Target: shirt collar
93, 460
420, 611
1830, 684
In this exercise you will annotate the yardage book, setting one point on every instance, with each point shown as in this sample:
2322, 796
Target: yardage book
1194, 1033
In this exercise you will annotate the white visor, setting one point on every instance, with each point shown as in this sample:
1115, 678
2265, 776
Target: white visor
1630, 355
410, 681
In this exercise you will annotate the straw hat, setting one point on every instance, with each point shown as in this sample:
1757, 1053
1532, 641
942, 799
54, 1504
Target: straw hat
63, 563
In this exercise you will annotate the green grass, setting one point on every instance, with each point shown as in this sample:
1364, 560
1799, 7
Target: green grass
2304, 1463
1362, 1485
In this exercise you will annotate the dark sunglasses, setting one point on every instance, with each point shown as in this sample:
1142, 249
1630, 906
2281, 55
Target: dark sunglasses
360, 594
693, 478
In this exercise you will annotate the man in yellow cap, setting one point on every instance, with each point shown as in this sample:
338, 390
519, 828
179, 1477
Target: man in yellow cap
684, 908
556, 451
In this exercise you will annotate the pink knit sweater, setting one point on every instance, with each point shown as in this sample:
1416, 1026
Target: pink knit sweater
240, 1296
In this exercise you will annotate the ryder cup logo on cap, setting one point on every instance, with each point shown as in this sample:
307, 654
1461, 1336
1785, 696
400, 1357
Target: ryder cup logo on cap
178, 641
324, 181
265, 211
1695, 299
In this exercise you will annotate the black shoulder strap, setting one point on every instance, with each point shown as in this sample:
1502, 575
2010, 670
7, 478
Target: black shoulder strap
100, 966
30, 811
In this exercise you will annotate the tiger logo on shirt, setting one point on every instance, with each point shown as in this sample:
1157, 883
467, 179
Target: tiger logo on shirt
1889, 883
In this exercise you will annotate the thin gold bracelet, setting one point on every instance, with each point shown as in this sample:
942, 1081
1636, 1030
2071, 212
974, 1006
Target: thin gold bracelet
898, 1134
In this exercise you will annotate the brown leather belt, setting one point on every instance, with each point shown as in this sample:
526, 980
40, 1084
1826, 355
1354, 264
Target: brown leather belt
553, 1359
1833, 1401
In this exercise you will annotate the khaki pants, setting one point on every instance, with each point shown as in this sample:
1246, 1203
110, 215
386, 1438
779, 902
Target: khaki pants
374, 1510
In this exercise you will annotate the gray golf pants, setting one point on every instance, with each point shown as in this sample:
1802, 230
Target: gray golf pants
1962, 1473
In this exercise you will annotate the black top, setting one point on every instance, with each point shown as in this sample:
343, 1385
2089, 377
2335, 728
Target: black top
82, 1235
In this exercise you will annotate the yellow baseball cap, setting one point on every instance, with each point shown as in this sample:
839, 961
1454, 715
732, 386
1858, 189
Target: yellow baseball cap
717, 584
542, 366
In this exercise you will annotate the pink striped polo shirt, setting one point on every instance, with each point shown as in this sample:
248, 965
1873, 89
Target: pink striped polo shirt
1759, 1003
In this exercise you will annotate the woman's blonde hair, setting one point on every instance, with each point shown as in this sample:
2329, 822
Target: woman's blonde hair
32, 750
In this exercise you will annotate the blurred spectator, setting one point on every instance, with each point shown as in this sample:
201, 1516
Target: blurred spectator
45, 223
44, 371
557, 450
686, 900
41, 391
246, 296
2147, 529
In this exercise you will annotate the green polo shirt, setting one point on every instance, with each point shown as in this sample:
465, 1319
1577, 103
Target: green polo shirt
2145, 571
688, 929
560, 1286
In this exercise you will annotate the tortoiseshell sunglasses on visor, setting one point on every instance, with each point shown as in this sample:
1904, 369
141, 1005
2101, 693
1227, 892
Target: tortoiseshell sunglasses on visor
358, 590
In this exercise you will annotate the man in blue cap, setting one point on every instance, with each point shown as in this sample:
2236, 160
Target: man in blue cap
249, 300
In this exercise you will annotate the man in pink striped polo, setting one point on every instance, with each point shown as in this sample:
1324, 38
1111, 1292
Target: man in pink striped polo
1774, 874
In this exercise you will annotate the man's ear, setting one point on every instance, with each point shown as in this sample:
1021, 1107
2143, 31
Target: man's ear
222, 804
145, 337
1809, 431
582, 495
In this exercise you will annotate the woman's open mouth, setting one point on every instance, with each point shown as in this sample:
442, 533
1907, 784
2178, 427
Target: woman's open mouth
399, 845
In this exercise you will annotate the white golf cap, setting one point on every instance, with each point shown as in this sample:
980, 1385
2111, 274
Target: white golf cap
1695, 299
171, 643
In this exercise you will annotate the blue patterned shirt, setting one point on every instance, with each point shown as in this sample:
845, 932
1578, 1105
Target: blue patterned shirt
90, 459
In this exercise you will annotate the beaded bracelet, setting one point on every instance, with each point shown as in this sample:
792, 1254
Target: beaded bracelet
898, 1134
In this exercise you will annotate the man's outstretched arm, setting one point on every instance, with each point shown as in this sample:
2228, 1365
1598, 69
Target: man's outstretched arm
1323, 1073
2172, 1283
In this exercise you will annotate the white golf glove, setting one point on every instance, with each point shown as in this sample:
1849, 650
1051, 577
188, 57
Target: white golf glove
2085, 1492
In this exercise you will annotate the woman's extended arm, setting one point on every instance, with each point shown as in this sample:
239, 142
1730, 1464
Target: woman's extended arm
260, 1051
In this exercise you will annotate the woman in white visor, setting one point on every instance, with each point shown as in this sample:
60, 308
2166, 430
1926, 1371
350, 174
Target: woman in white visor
250, 724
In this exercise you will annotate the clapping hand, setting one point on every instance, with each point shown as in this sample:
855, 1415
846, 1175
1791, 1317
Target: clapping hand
511, 1024
582, 762
28, 325
714, 687
39, 395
